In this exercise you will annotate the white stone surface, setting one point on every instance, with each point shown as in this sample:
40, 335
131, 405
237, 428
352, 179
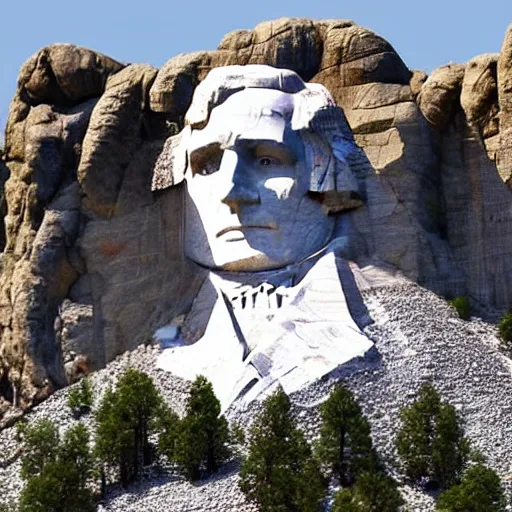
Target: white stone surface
309, 336
268, 157
247, 206
258, 142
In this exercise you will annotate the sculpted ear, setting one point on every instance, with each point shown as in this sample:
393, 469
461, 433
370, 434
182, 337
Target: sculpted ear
172, 163
334, 158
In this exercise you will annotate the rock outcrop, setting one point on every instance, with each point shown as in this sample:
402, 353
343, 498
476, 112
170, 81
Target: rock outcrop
92, 261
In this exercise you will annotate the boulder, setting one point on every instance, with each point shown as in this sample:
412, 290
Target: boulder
439, 96
65, 73
479, 94
289, 43
504, 76
113, 137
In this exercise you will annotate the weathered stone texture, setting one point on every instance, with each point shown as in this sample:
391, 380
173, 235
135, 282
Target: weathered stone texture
439, 96
65, 73
479, 95
286, 43
478, 215
113, 137
4, 175
355, 56
175, 83
504, 76
92, 260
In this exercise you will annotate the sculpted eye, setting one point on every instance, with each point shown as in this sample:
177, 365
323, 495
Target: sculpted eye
267, 161
208, 168
205, 160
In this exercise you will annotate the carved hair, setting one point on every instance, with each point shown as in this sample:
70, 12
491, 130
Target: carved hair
330, 150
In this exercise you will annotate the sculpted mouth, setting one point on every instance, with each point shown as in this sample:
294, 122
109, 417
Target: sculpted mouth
245, 227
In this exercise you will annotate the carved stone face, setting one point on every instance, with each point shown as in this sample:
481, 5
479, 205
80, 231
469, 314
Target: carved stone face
247, 206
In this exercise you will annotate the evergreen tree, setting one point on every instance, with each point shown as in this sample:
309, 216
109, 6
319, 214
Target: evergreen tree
450, 449
345, 445
42, 493
80, 398
77, 463
111, 434
57, 472
40, 446
372, 492
124, 421
279, 473
431, 441
463, 306
505, 330
202, 435
167, 424
479, 491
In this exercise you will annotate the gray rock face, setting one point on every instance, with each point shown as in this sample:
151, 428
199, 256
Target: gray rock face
82, 225
65, 73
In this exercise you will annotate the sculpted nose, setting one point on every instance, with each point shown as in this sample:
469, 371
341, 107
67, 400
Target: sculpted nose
241, 190
240, 195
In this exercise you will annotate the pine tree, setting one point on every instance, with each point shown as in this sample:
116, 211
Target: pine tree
345, 445
80, 398
167, 424
58, 473
372, 492
42, 493
431, 441
450, 449
463, 306
40, 446
479, 491
124, 421
77, 463
279, 473
111, 434
202, 435
505, 330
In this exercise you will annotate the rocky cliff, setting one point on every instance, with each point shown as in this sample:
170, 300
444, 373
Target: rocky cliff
92, 260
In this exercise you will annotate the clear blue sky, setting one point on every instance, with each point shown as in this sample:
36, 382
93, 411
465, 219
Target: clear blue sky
426, 33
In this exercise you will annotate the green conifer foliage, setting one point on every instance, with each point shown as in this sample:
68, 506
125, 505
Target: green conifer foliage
373, 492
431, 441
41, 441
58, 473
202, 435
450, 449
505, 330
124, 421
80, 397
463, 307
479, 491
345, 445
279, 473
167, 424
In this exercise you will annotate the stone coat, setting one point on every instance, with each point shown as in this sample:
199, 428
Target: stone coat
307, 330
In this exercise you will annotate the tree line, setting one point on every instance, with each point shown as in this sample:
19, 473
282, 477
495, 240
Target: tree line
280, 470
